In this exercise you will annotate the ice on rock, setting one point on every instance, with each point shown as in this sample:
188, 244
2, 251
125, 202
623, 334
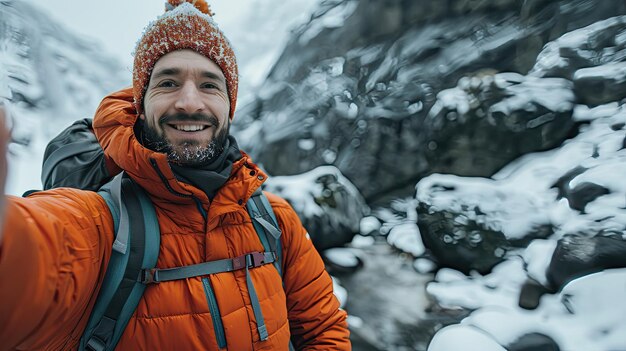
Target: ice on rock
332, 18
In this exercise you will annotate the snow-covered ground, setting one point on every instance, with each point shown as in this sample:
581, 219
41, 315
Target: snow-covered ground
588, 313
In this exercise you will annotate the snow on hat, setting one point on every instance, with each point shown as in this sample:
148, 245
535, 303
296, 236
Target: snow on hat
184, 25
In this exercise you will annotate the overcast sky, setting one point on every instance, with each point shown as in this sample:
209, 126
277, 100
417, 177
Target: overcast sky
119, 23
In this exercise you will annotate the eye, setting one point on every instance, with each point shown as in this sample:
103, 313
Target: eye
209, 85
166, 84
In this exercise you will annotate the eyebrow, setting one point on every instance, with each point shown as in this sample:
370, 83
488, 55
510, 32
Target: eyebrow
215, 76
176, 71
165, 72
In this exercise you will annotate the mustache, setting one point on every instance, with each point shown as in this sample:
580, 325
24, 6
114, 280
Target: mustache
190, 117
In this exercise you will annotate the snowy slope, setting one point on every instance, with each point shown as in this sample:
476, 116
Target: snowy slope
54, 77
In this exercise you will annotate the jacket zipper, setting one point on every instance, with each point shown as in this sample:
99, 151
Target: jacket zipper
164, 180
215, 314
171, 190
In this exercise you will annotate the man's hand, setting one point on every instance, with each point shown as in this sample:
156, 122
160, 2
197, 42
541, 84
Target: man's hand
4, 140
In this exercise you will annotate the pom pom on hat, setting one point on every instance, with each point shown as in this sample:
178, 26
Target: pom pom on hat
184, 25
199, 4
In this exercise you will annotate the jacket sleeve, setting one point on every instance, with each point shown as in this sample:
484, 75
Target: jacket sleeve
315, 319
52, 259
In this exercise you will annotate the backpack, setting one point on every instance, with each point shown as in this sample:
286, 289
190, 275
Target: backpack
75, 159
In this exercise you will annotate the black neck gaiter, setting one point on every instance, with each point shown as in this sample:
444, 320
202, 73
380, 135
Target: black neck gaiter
213, 175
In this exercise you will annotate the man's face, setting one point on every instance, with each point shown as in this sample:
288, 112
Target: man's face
186, 108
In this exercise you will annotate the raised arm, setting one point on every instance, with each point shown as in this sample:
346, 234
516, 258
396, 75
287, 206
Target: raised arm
53, 254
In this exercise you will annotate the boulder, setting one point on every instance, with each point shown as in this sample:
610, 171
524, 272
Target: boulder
471, 223
328, 204
484, 123
595, 187
601, 84
577, 255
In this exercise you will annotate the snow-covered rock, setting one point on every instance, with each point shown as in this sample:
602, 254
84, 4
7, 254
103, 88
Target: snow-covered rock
594, 45
329, 205
487, 121
586, 315
456, 337
580, 184
471, 223
601, 84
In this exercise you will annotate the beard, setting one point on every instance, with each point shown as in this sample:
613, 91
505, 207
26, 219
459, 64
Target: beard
186, 152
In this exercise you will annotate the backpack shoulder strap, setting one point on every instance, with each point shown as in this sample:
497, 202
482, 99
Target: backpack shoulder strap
136, 247
265, 222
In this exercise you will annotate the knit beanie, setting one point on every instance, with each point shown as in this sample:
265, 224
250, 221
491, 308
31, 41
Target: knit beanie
184, 25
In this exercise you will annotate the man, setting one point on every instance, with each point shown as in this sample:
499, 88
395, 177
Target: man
170, 135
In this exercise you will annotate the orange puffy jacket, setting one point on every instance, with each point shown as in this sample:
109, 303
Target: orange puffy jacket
57, 244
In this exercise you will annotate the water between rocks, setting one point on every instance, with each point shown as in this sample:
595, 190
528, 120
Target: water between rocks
388, 305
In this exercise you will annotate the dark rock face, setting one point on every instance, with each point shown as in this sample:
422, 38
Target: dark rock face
466, 223
485, 122
471, 247
329, 206
354, 88
602, 84
578, 254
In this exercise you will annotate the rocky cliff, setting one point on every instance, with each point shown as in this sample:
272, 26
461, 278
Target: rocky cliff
358, 87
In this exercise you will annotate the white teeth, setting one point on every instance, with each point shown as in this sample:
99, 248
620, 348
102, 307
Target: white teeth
189, 127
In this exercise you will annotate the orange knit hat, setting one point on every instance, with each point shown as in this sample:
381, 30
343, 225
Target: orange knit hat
184, 25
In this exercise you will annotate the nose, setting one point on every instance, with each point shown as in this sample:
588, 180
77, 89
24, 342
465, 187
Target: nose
189, 99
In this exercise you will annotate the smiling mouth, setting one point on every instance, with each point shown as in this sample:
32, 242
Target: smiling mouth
189, 127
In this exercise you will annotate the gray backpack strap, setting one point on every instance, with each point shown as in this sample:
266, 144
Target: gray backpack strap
264, 221
121, 238
251, 260
248, 261
136, 248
